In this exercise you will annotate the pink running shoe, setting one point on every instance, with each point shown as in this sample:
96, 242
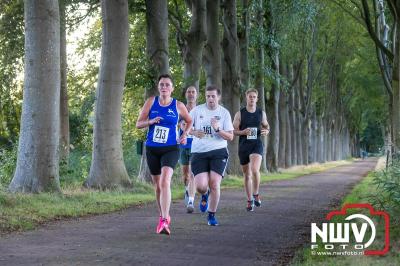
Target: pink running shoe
164, 227
160, 223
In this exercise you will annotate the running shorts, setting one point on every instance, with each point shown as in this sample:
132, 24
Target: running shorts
249, 148
158, 157
215, 160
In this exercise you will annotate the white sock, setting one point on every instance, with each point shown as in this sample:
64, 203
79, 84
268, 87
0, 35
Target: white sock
191, 199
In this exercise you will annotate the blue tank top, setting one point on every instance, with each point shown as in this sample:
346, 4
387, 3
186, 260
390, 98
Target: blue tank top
189, 140
164, 133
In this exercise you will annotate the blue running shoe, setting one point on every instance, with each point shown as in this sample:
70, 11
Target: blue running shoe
204, 202
186, 198
212, 221
257, 200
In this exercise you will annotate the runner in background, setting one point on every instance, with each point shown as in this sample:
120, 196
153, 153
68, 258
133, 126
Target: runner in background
185, 153
250, 124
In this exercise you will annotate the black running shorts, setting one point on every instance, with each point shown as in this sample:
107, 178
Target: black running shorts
158, 157
215, 160
249, 148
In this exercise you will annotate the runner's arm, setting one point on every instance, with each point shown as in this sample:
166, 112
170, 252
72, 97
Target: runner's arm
225, 130
183, 112
143, 119
264, 125
236, 126
226, 135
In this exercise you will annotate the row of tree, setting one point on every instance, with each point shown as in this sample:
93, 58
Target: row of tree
301, 56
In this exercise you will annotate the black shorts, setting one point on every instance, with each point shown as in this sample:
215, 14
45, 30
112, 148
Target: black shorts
248, 148
215, 160
157, 157
185, 156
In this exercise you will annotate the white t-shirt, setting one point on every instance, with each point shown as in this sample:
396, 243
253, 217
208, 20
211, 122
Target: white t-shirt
201, 116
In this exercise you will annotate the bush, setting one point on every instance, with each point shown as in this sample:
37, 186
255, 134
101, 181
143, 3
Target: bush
77, 169
388, 190
8, 159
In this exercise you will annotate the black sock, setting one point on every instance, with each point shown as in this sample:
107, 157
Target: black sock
211, 213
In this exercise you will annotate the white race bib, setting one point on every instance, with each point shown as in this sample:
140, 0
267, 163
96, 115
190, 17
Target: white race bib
160, 134
253, 133
207, 131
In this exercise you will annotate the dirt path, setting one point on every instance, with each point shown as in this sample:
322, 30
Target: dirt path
268, 236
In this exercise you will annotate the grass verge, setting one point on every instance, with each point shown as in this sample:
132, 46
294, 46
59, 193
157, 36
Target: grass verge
360, 194
19, 212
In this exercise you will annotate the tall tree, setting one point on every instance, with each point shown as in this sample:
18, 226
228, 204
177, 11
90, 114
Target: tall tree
387, 41
243, 37
192, 42
37, 162
230, 75
282, 105
260, 65
157, 40
212, 51
273, 99
108, 169
64, 113
157, 53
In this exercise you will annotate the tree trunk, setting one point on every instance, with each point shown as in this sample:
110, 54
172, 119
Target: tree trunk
326, 146
230, 76
272, 103
64, 113
37, 167
305, 135
243, 36
196, 38
298, 125
320, 140
396, 96
157, 53
212, 51
282, 121
292, 121
108, 169
259, 73
288, 146
157, 41
313, 138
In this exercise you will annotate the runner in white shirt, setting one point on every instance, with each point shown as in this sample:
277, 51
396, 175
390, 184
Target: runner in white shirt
212, 128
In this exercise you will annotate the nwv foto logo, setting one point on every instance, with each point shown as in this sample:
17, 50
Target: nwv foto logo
352, 233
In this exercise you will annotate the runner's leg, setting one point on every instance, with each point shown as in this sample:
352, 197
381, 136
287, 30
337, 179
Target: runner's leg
201, 182
165, 190
214, 183
157, 190
191, 185
247, 181
255, 164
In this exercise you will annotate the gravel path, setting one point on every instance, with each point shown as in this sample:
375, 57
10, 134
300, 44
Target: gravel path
268, 236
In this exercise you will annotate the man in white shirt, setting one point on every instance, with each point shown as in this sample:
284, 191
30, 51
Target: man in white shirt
212, 129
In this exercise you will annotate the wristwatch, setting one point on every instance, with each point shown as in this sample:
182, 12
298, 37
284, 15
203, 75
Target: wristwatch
217, 130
